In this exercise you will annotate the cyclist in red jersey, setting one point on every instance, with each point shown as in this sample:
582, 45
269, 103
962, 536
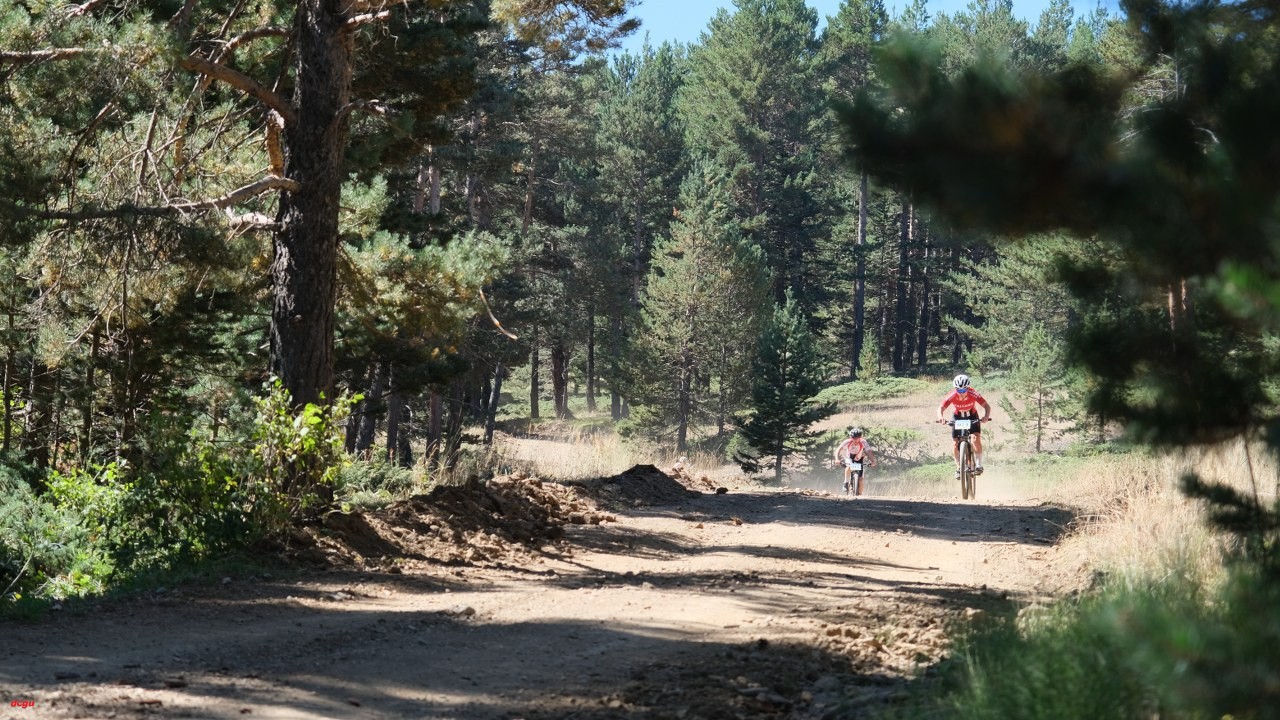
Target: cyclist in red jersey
853, 449
964, 401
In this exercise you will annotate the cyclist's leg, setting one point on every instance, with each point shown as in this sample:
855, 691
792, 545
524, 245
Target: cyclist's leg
955, 452
977, 450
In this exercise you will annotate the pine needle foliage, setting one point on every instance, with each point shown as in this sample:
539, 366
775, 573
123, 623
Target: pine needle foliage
787, 374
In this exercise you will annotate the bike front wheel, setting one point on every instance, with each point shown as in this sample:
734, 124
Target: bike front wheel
966, 471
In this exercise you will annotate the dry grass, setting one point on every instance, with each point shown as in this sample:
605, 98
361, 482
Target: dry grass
587, 454
1135, 523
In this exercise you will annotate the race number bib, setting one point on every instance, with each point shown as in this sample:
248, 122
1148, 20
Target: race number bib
855, 466
963, 424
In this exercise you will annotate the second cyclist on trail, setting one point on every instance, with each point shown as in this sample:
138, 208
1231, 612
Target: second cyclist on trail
853, 452
964, 401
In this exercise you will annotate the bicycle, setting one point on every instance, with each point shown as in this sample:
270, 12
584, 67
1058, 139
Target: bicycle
968, 467
853, 486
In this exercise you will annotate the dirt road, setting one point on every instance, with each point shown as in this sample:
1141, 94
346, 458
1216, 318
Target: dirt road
762, 604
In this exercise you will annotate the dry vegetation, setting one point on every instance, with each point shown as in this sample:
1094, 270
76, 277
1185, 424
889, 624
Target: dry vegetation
1134, 522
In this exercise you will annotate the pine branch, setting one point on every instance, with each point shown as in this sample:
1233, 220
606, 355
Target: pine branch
241, 82
238, 195
32, 56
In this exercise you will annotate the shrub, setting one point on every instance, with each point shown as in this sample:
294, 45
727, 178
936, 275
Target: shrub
861, 392
189, 499
890, 446
40, 541
297, 456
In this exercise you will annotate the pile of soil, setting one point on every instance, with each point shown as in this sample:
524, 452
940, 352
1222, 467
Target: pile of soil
492, 523
641, 486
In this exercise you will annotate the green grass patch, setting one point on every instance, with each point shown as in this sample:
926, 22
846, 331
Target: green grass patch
1168, 649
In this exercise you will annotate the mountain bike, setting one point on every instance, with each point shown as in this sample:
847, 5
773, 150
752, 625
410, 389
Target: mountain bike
853, 486
968, 465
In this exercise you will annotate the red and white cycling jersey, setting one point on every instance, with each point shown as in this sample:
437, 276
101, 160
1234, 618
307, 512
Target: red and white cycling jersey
853, 447
963, 402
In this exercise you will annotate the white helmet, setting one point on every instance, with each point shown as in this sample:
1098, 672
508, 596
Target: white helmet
961, 381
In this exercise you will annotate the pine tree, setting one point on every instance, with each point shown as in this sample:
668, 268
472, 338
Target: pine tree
787, 373
846, 61
1037, 377
749, 103
640, 164
700, 314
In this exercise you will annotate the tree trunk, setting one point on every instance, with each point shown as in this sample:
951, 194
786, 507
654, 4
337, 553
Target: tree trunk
722, 400
922, 322
860, 281
370, 410
591, 361
560, 379
56, 418
6, 396
86, 423
482, 402
491, 412
533, 378
35, 435
531, 180
357, 412
615, 368
684, 402
303, 272
1039, 418
904, 280
395, 413
433, 193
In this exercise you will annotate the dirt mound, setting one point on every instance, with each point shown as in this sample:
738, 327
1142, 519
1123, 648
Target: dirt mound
493, 522
498, 522
641, 486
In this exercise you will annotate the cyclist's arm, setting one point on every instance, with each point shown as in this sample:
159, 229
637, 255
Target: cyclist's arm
987, 407
945, 402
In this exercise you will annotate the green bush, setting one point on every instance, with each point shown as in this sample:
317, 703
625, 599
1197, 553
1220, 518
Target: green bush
862, 392
890, 446
371, 483
189, 499
41, 542
297, 455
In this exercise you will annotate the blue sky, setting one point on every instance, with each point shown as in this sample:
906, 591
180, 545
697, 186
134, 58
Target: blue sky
684, 20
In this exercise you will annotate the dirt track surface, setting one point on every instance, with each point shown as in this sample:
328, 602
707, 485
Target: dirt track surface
762, 604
